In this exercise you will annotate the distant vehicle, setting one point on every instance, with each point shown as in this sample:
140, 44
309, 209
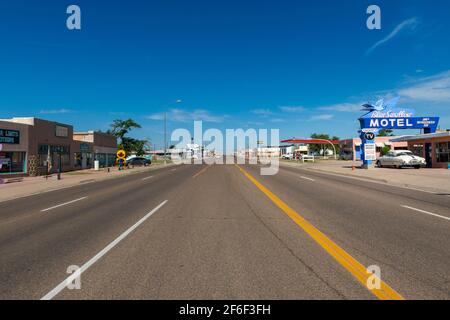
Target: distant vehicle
400, 159
288, 156
138, 161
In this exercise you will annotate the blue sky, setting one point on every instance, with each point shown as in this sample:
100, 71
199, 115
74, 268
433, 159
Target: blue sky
301, 66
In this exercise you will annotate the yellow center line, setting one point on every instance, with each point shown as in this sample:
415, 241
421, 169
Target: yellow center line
200, 172
384, 292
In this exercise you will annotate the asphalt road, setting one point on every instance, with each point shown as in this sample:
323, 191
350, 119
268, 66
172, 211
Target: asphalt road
211, 232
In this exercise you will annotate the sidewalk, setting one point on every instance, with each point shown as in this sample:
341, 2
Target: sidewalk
430, 180
36, 185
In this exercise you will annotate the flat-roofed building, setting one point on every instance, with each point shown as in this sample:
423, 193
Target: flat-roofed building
434, 147
33, 146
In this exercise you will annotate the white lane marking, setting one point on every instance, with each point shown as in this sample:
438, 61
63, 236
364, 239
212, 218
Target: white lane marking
63, 204
99, 255
146, 178
306, 178
426, 212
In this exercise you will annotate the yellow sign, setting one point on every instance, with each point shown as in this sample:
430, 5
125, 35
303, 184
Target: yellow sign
121, 154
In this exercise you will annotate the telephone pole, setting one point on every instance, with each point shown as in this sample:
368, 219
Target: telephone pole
165, 138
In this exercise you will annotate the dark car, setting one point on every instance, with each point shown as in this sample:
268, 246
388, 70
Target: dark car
138, 161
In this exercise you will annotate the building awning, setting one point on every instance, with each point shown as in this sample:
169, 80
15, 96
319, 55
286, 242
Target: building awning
422, 137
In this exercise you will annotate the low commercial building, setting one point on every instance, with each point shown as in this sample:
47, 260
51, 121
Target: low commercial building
434, 147
350, 149
95, 146
32, 146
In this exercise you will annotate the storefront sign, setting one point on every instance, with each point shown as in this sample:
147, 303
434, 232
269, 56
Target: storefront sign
370, 152
369, 135
9, 136
400, 123
385, 115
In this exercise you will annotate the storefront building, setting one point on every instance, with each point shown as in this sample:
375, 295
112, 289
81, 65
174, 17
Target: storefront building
32, 146
97, 146
434, 147
350, 149
13, 148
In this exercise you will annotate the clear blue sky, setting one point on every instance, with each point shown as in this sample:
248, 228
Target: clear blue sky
301, 66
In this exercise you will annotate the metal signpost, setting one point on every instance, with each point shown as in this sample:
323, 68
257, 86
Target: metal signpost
385, 115
121, 154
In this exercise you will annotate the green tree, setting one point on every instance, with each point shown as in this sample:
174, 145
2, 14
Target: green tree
385, 150
386, 133
120, 128
323, 136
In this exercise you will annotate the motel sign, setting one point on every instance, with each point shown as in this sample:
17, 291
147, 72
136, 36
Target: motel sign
385, 115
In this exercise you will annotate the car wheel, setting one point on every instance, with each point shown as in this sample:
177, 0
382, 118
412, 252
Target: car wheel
399, 167
417, 167
379, 165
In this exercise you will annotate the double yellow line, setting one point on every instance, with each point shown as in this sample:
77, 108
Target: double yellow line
384, 292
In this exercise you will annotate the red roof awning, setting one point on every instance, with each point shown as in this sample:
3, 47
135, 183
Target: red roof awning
310, 141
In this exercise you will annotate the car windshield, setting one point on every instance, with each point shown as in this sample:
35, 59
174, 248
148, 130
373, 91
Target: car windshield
405, 153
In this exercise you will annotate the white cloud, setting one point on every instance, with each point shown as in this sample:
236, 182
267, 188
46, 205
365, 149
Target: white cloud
344, 107
322, 117
292, 109
56, 111
180, 115
276, 120
409, 24
431, 89
262, 112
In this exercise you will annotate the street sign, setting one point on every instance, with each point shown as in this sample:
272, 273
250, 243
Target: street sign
370, 151
121, 154
369, 136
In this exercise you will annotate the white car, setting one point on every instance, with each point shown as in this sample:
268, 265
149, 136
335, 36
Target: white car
400, 159
288, 156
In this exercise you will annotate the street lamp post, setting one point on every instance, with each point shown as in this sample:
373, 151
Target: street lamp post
165, 132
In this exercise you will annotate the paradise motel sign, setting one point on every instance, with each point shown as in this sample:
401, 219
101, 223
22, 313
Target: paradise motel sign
387, 116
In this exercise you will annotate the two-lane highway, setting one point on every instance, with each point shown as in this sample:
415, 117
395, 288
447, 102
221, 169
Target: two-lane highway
225, 232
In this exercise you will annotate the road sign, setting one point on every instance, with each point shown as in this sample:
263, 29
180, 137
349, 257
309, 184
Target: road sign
369, 136
121, 154
370, 151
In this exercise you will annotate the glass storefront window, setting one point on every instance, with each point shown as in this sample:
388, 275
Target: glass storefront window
443, 152
12, 162
417, 149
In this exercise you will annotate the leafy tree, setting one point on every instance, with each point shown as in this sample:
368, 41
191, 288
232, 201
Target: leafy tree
386, 133
120, 128
385, 150
322, 136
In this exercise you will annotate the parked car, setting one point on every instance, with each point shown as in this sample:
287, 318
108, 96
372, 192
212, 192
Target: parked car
138, 161
400, 159
288, 156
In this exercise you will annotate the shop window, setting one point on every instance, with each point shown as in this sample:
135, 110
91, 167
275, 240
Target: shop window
12, 162
417, 149
443, 152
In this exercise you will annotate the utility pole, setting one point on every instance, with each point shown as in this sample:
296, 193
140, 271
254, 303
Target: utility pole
165, 138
